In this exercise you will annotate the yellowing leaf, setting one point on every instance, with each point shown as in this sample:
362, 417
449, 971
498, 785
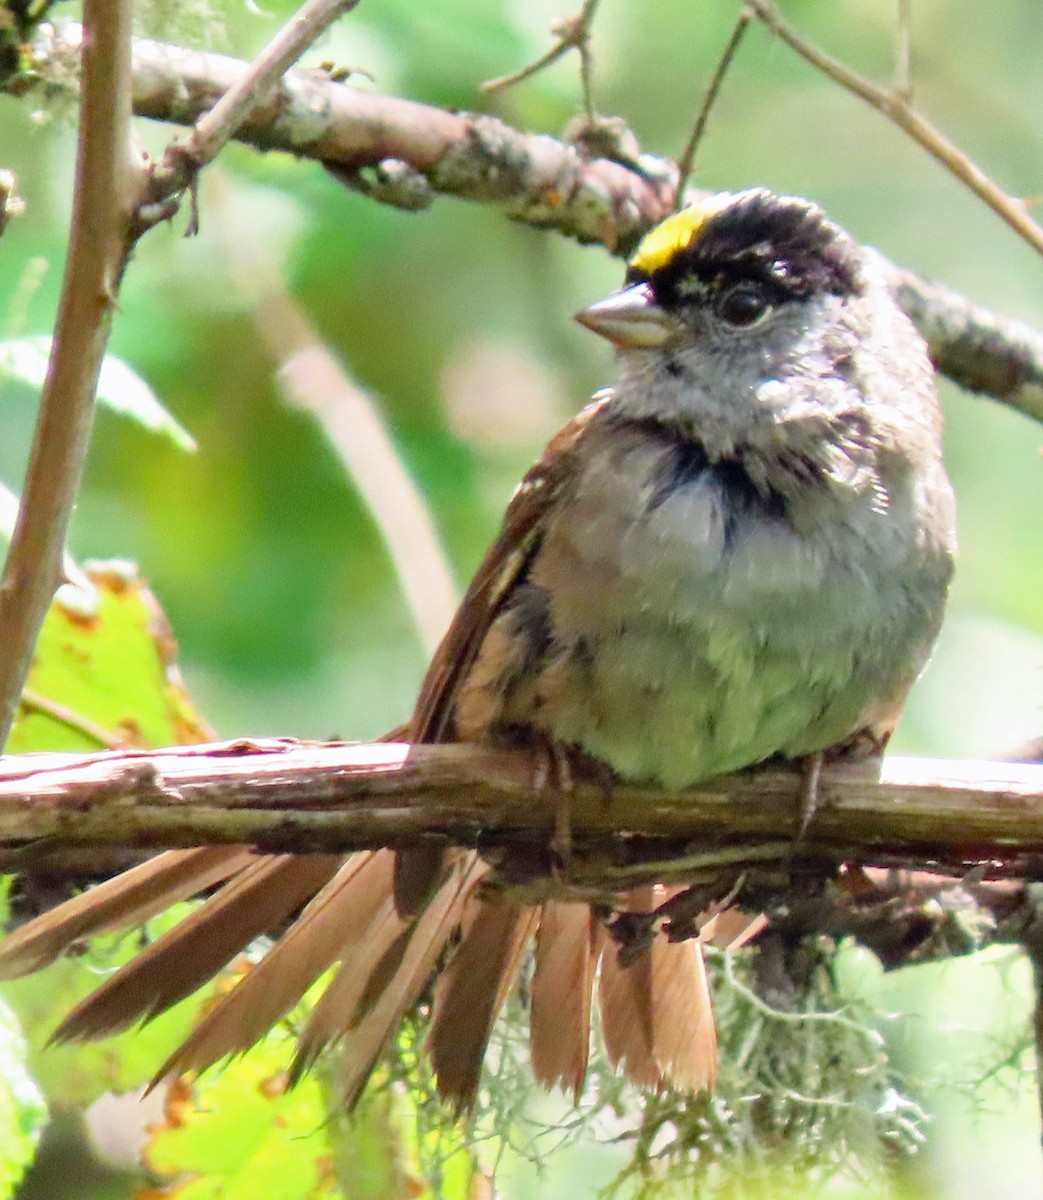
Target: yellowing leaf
104, 671
238, 1133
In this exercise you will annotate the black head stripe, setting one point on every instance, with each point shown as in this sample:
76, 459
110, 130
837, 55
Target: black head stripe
788, 244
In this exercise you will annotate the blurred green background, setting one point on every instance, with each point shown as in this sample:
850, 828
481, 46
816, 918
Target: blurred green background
459, 323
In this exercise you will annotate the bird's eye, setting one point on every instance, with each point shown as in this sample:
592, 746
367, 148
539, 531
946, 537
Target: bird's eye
743, 305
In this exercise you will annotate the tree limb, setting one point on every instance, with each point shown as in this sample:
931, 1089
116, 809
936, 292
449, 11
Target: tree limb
293, 796
980, 350
404, 153
923, 860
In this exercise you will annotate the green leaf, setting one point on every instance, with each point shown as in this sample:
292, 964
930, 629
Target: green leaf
120, 388
104, 671
238, 1132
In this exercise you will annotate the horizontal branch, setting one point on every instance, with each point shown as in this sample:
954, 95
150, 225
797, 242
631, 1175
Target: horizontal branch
405, 153
399, 151
291, 796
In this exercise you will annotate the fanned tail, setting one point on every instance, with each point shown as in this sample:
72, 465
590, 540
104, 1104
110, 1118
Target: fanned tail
656, 1014
253, 902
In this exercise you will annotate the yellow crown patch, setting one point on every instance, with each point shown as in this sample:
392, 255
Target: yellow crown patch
670, 237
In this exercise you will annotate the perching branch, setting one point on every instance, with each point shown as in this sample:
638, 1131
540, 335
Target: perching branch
284, 795
956, 845
109, 180
404, 153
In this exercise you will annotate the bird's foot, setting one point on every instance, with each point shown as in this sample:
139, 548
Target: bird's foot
555, 772
811, 771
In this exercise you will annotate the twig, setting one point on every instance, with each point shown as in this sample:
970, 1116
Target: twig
687, 158
109, 204
573, 33
531, 178
311, 378
586, 59
106, 194
217, 127
547, 59
895, 106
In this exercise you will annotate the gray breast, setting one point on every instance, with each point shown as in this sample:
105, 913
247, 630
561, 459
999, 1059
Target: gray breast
686, 628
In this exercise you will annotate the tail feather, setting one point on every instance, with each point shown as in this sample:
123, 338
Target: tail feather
331, 1019
656, 1013
124, 902
686, 1037
417, 874
471, 991
187, 956
559, 1024
378, 1023
326, 931
377, 931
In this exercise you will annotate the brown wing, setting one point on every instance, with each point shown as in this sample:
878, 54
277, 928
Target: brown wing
417, 871
540, 490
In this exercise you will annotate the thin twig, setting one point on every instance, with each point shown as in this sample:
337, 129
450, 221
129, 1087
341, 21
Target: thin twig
687, 158
107, 191
311, 379
547, 59
573, 33
217, 127
895, 107
586, 59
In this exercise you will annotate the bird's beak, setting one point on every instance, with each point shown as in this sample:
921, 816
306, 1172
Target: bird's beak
630, 319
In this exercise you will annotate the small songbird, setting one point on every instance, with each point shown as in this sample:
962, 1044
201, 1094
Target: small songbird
740, 551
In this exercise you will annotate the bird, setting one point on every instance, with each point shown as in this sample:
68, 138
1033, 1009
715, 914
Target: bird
739, 552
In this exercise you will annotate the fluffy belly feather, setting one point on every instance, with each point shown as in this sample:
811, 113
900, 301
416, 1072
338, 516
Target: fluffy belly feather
702, 634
